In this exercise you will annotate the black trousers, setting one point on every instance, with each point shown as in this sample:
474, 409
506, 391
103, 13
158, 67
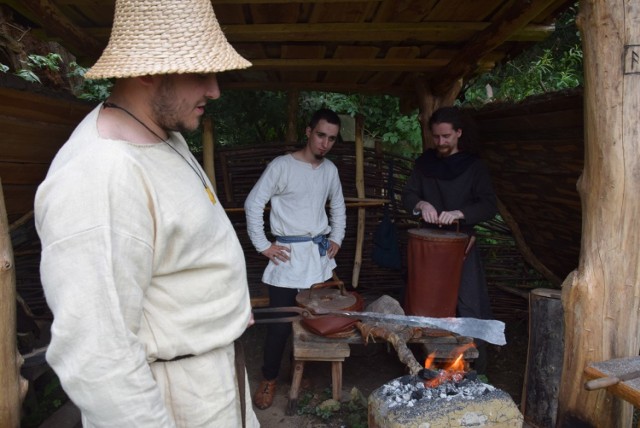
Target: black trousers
277, 333
473, 300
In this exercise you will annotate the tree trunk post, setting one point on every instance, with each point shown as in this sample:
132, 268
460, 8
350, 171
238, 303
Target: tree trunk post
601, 299
12, 387
428, 102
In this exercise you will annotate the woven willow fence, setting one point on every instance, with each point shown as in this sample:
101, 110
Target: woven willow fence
509, 278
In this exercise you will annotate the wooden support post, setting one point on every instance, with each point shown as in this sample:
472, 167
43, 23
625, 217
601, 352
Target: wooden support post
428, 103
208, 151
292, 116
12, 387
357, 262
601, 299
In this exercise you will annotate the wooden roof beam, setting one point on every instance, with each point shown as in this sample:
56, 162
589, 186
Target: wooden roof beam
243, 2
47, 14
352, 64
395, 32
429, 32
346, 88
464, 63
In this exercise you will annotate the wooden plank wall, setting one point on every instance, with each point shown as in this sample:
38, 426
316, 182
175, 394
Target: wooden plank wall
33, 127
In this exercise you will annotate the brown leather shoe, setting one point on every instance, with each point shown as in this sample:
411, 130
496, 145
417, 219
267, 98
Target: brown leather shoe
263, 397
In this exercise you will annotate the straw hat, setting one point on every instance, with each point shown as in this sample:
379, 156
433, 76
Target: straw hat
165, 37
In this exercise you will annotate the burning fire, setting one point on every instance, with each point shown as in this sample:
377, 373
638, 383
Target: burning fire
454, 370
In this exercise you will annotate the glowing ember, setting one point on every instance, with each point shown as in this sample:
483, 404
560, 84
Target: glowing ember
453, 371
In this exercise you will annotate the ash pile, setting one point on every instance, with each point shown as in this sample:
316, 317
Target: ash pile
435, 398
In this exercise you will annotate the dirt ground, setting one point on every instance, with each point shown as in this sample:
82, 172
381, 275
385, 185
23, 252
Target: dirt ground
366, 369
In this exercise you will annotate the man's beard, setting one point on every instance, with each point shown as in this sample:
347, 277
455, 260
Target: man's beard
443, 151
165, 110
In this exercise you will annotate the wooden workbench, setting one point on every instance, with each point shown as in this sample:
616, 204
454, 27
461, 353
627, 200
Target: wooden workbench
627, 390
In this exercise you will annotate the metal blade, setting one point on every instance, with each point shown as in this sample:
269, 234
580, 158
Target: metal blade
491, 331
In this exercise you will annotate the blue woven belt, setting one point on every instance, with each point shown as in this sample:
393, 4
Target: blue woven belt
321, 240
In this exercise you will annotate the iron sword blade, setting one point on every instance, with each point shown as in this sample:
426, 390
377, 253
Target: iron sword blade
491, 331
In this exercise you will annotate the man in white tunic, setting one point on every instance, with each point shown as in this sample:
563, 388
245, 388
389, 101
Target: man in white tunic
298, 185
140, 264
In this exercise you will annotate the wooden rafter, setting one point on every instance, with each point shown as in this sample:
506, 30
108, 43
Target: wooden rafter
414, 32
465, 61
419, 32
58, 25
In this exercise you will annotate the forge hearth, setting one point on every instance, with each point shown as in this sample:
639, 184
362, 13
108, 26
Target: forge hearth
465, 402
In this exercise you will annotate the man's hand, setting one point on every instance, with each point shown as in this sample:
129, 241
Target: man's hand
333, 249
448, 217
277, 253
427, 212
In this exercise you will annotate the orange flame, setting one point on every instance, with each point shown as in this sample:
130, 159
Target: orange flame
454, 370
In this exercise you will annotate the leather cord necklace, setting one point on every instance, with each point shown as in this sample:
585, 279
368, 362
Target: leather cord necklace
212, 197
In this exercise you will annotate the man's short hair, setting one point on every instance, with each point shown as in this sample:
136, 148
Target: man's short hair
324, 113
447, 115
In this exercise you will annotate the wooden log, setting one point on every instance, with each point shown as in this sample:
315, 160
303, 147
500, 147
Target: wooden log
397, 339
600, 298
357, 261
12, 387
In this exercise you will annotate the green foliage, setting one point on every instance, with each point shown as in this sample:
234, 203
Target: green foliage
249, 117
352, 413
4, 68
549, 66
253, 117
50, 62
89, 90
383, 120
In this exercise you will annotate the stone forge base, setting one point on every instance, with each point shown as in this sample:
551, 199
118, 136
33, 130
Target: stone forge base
494, 408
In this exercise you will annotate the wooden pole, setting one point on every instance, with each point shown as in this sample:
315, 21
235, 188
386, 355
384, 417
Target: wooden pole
292, 116
208, 151
12, 387
357, 262
601, 299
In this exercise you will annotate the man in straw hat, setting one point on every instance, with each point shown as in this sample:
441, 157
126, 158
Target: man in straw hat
140, 265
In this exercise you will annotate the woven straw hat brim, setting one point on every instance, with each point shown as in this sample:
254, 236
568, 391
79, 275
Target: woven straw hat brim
165, 37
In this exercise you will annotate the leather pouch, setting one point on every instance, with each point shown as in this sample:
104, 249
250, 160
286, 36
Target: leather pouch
324, 297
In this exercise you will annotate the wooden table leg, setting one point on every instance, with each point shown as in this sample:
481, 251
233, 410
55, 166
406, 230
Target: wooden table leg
336, 379
298, 369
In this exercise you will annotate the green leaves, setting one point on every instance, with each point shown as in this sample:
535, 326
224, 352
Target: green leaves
552, 65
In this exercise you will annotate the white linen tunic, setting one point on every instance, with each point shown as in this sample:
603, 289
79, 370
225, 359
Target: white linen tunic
138, 265
298, 193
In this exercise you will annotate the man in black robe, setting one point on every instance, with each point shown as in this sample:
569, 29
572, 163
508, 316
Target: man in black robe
450, 183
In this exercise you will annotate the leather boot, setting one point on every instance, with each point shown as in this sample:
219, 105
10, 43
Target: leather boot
263, 397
